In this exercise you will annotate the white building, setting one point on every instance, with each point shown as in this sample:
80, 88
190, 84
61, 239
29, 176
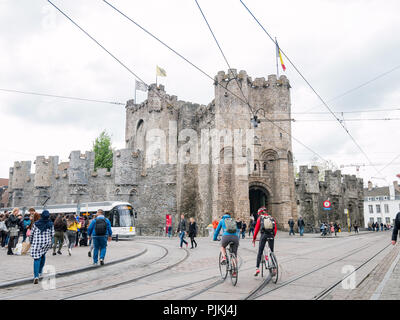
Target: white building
381, 204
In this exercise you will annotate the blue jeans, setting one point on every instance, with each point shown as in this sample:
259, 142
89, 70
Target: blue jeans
181, 235
291, 231
99, 244
38, 265
301, 230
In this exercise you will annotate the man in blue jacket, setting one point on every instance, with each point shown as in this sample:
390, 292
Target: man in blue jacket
226, 237
100, 230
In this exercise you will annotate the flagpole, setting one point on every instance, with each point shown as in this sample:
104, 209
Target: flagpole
277, 55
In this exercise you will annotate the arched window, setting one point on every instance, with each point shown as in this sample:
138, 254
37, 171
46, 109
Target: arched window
265, 166
140, 135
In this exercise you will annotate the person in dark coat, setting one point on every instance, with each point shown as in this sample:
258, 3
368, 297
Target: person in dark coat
192, 232
182, 230
12, 225
291, 225
244, 226
396, 228
300, 225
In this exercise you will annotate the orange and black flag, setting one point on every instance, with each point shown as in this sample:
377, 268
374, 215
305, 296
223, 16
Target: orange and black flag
279, 55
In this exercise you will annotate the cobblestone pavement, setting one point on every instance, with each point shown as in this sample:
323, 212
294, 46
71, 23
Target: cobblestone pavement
308, 266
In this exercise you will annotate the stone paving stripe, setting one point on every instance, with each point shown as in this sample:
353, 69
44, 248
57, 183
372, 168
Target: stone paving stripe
68, 272
381, 286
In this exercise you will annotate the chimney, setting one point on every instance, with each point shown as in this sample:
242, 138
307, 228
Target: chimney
369, 185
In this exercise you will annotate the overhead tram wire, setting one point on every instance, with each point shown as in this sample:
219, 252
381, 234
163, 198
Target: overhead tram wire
60, 97
358, 87
223, 55
208, 76
312, 88
98, 43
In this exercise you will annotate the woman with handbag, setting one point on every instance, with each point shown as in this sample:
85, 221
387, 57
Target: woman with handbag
13, 229
72, 230
41, 239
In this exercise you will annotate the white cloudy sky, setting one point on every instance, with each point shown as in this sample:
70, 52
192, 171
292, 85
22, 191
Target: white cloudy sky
337, 45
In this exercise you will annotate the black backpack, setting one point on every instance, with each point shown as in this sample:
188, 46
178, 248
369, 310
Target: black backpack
100, 227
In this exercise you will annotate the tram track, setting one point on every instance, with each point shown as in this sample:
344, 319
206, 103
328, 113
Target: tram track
326, 291
71, 285
257, 292
219, 281
122, 283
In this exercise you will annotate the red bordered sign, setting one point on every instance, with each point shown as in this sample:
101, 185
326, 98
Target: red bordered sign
327, 204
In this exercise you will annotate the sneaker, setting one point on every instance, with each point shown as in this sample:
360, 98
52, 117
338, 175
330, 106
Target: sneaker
95, 263
36, 281
69, 251
223, 261
257, 272
54, 253
89, 254
59, 252
102, 262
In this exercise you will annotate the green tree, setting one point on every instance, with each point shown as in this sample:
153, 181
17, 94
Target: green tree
103, 153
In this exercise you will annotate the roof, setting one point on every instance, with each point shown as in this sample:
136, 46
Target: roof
3, 182
379, 191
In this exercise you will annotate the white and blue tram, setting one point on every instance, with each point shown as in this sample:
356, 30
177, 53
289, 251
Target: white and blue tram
122, 215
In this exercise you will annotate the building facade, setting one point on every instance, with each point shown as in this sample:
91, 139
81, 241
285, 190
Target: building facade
184, 158
344, 192
381, 204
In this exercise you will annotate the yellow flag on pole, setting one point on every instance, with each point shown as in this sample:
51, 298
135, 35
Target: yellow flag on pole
161, 72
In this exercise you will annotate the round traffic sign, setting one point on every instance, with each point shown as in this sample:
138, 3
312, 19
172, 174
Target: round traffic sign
327, 204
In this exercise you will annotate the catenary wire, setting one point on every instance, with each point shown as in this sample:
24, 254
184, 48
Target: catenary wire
223, 55
216, 82
58, 96
312, 88
359, 86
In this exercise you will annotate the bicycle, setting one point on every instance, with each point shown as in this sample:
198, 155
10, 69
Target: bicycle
270, 263
230, 266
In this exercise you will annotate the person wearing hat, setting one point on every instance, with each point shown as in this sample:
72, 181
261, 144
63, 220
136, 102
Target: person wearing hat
41, 239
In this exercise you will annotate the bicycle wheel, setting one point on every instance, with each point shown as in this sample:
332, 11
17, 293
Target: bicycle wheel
223, 269
274, 267
234, 269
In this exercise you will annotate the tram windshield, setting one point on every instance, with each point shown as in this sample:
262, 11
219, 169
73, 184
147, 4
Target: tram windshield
121, 216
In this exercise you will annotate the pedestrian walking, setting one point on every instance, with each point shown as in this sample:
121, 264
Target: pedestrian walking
239, 227
84, 236
182, 230
355, 227
26, 224
3, 230
336, 228
41, 237
192, 232
13, 230
381, 226
396, 228
90, 238
20, 224
168, 226
60, 226
252, 225
244, 226
300, 225
291, 225
72, 230
100, 231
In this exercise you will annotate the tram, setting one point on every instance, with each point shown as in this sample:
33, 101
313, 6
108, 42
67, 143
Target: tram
122, 215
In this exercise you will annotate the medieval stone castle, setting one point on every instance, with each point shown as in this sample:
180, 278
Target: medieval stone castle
178, 159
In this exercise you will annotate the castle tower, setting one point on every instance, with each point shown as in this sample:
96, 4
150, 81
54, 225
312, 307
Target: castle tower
269, 178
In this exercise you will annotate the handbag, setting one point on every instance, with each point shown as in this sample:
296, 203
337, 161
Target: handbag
25, 247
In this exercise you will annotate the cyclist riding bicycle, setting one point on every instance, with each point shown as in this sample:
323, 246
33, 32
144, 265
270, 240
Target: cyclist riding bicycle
229, 234
267, 225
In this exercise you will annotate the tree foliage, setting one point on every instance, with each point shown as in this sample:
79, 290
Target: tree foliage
103, 152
